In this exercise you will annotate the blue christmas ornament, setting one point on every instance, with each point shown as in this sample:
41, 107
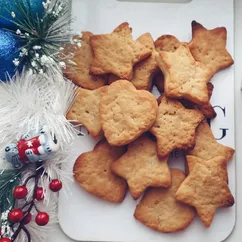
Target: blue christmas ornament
10, 5
8, 46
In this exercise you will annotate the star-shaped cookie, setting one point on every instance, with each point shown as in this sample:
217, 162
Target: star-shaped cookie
142, 168
175, 126
117, 53
206, 187
79, 72
184, 77
144, 70
85, 110
209, 47
207, 147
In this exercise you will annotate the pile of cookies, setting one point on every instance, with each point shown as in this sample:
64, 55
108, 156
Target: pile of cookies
136, 132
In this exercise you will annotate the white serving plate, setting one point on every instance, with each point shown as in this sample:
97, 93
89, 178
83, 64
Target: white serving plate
84, 217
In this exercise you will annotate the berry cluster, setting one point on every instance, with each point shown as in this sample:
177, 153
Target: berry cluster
23, 215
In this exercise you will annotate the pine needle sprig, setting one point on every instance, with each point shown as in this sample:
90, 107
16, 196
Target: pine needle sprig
9, 180
42, 36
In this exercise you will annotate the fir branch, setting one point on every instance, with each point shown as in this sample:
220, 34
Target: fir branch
9, 180
49, 32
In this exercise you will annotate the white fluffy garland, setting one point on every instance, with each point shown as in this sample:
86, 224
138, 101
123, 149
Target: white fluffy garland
26, 102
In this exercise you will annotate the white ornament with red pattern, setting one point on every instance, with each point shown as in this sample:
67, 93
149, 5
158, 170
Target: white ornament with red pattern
32, 148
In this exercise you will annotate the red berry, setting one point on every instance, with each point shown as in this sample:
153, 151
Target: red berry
55, 185
20, 192
15, 215
5, 240
42, 218
27, 219
39, 193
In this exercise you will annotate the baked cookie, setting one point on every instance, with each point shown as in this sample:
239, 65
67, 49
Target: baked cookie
209, 47
193, 159
206, 187
184, 77
126, 113
144, 70
170, 43
83, 57
85, 110
159, 209
207, 147
117, 53
92, 170
175, 126
206, 109
142, 168
167, 43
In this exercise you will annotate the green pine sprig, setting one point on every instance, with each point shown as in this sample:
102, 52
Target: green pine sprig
42, 37
9, 179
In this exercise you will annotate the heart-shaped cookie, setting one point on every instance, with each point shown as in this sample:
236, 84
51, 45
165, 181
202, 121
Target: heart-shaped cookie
125, 112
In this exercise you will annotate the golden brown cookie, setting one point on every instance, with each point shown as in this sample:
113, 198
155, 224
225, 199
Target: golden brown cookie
170, 43
85, 110
92, 170
126, 113
184, 77
206, 109
117, 53
209, 47
193, 159
175, 126
144, 70
159, 209
167, 43
79, 72
207, 147
142, 168
206, 187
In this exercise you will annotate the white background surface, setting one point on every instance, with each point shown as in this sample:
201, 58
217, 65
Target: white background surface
237, 233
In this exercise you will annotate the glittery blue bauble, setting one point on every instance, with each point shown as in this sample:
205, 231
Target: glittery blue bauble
8, 46
36, 6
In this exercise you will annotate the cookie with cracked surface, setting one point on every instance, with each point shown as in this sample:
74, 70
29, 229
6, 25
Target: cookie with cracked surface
92, 171
206, 187
175, 126
79, 73
184, 77
207, 147
85, 110
117, 53
141, 167
126, 113
209, 47
159, 209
